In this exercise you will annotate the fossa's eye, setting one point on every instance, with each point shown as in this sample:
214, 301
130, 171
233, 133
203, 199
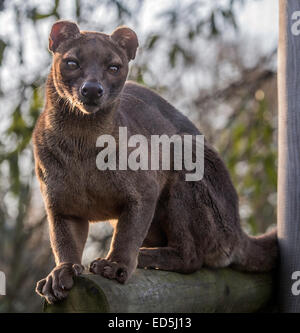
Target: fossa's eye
72, 64
114, 68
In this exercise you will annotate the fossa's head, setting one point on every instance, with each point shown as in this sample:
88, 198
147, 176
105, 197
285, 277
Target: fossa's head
90, 68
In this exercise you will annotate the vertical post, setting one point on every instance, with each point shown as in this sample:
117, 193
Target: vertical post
289, 154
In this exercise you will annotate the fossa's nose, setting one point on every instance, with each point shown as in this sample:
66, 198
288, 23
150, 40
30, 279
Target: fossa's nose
91, 90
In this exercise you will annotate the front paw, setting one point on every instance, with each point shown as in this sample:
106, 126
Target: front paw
56, 285
110, 269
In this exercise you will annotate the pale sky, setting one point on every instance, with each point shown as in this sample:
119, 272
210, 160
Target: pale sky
259, 19
258, 23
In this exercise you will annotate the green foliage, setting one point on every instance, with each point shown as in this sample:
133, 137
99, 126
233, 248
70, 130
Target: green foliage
2, 48
35, 15
251, 156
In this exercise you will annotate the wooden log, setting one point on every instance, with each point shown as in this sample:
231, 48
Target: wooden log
153, 291
289, 152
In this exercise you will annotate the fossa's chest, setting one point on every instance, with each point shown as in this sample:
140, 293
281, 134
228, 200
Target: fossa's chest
77, 184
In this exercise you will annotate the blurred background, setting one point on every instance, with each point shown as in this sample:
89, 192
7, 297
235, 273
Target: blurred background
214, 60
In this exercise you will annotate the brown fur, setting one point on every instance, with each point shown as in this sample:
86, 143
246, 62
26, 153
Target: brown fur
164, 221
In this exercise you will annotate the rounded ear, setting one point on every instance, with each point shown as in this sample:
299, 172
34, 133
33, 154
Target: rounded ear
126, 39
61, 31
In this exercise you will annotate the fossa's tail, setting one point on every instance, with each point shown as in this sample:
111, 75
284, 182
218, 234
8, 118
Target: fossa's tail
257, 254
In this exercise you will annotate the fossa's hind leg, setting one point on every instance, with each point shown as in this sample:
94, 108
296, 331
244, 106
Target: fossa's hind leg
180, 253
167, 258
